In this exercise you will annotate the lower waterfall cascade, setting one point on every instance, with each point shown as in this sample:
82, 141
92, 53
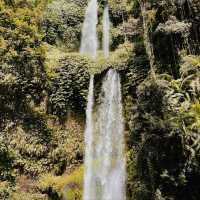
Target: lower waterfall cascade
104, 160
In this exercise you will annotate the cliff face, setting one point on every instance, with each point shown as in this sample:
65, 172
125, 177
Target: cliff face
174, 27
44, 85
164, 160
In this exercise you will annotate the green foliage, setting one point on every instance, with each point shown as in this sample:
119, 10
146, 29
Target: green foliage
31, 142
7, 176
190, 72
26, 189
68, 186
53, 55
22, 58
132, 184
154, 93
124, 27
22, 82
27, 196
117, 59
5, 190
6, 163
67, 145
69, 89
162, 114
39, 146
168, 121
120, 11
62, 23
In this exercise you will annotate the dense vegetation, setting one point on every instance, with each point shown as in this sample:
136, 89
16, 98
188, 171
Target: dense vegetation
43, 89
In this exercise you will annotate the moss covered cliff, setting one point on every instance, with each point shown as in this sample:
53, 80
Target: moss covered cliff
44, 85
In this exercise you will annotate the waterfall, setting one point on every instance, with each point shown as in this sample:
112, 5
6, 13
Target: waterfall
104, 177
106, 29
89, 142
104, 159
89, 47
109, 147
89, 33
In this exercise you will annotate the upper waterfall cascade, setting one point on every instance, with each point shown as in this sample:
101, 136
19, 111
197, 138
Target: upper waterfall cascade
106, 29
89, 42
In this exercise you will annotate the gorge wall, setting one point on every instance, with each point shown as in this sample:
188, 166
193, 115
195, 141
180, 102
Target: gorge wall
44, 86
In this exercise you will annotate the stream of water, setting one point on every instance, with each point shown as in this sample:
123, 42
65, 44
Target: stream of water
89, 143
89, 42
105, 170
109, 165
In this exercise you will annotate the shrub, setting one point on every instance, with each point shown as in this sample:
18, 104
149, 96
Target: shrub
68, 186
62, 23
69, 89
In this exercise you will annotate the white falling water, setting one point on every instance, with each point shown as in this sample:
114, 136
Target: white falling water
104, 140
89, 47
109, 147
89, 34
89, 142
104, 159
106, 29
